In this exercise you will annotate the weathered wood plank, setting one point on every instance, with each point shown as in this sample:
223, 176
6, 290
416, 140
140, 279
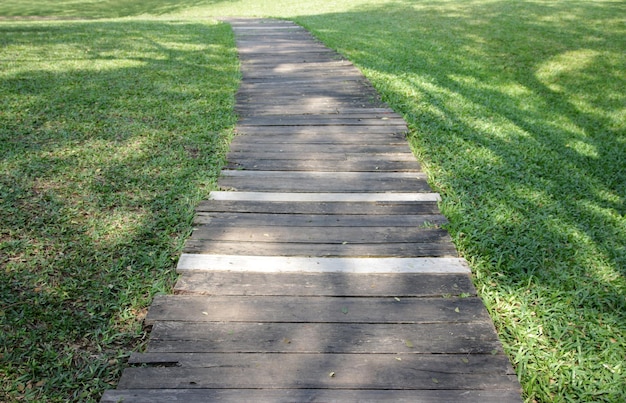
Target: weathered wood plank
443, 249
320, 139
282, 155
343, 89
322, 197
315, 309
345, 100
295, 184
325, 176
309, 395
320, 207
343, 266
337, 134
444, 363
330, 284
352, 165
298, 109
261, 148
324, 338
306, 220
319, 120
320, 235
349, 371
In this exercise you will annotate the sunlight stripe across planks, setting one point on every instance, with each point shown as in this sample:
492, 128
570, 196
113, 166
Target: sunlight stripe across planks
278, 264
324, 197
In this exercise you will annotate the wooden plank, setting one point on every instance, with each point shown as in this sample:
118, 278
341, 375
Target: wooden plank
320, 235
325, 176
344, 266
324, 338
367, 133
442, 249
289, 55
287, 67
315, 309
338, 283
312, 220
277, 48
319, 120
342, 89
277, 139
446, 363
352, 165
260, 148
309, 395
353, 101
282, 155
317, 207
324, 135
349, 371
419, 284
259, 58
294, 184
298, 109
324, 197
345, 77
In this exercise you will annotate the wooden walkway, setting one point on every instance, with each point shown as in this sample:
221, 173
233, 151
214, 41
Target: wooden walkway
320, 272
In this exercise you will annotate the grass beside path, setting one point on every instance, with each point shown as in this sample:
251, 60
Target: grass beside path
110, 134
516, 110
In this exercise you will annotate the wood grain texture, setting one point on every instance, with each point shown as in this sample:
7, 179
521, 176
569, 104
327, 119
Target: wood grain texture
380, 250
320, 207
399, 250
309, 395
324, 284
187, 308
324, 338
226, 220
329, 371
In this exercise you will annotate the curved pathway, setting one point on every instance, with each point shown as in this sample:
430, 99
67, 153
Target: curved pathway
320, 271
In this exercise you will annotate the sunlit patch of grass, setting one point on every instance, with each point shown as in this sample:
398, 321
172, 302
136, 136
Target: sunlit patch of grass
110, 133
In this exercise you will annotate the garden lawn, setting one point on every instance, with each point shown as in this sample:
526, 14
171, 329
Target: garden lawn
517, 111
110, 134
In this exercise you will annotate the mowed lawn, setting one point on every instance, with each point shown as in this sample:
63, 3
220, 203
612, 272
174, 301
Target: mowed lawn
112, 130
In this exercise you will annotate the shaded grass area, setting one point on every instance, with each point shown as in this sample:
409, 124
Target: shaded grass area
110, 134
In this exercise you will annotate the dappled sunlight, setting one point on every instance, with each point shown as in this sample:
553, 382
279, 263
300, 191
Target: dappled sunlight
517, 109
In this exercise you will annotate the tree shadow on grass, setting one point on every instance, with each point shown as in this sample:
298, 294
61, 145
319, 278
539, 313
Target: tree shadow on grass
517, 109
110, 134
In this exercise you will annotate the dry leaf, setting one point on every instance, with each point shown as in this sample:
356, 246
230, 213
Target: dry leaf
408, 343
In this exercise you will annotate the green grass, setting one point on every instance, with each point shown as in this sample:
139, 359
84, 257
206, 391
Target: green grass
110, 134
516, 110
